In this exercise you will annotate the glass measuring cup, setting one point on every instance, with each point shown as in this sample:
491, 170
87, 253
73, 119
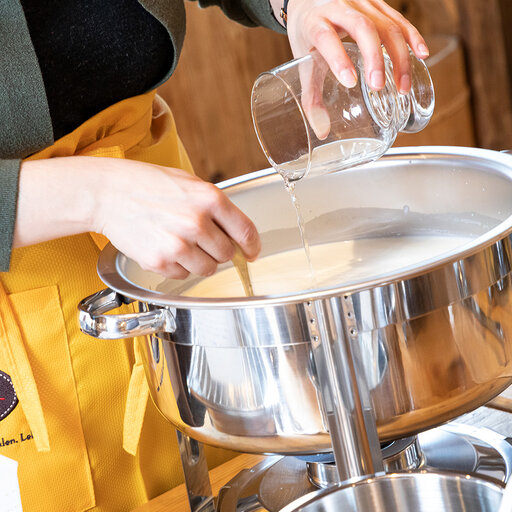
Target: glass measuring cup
309, 123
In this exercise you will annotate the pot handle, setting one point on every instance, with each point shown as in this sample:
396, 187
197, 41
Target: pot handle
94, 322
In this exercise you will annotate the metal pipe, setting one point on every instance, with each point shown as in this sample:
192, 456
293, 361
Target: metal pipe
344, 391
195, 470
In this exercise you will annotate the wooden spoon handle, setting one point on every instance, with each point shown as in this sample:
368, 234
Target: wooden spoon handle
240, 264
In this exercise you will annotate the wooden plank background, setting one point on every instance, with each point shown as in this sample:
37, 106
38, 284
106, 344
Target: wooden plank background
211, 89
482, 31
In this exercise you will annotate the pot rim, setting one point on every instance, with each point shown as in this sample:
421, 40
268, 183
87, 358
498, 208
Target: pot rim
110, 274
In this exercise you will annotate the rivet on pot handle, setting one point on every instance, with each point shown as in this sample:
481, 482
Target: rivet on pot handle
94, 321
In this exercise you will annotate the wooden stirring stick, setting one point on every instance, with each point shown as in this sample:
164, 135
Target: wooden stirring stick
240, 264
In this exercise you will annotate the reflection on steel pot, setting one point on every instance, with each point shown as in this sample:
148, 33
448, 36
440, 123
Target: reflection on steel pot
422, 257
403, 492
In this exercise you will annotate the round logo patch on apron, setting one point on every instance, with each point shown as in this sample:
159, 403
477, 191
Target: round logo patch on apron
8, 397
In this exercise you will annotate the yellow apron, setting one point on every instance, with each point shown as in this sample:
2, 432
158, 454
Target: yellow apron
70, 403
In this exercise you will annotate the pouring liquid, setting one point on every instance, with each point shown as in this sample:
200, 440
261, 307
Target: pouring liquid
290, 187
328, 157
327, 264
240, 263
335, 155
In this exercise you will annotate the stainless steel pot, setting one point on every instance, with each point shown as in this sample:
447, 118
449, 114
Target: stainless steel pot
433, 339
403, 492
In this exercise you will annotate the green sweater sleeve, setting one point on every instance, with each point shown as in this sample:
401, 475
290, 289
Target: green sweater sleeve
251, 13
25, 123
9, 173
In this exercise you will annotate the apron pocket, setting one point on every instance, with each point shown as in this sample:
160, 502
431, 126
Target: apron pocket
58, 480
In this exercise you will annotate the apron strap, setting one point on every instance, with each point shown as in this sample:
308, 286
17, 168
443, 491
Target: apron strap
138, 390
136, 401
12, 350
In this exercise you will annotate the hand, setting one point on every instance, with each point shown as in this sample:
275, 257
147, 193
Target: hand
321, 24
165, 219
171, 222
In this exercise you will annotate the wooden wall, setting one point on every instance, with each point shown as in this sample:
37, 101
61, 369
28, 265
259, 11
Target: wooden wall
483, 29
452, 123
210, 91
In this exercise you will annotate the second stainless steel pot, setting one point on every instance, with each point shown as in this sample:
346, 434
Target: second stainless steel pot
434, 339
404, 492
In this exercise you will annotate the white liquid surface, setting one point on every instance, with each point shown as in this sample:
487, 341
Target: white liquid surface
334, 264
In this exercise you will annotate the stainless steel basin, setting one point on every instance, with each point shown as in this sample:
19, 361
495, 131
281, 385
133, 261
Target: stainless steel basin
406, 492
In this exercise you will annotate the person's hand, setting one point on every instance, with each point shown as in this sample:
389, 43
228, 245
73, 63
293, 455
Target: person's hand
321, 24
171, 222
165, 219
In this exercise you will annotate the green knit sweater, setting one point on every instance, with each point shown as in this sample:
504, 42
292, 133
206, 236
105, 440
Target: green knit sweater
25, 123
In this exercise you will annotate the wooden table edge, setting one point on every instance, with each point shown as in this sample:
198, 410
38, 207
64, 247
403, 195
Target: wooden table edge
176, 499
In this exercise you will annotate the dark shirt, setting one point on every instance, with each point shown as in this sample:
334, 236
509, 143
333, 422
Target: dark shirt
93, 53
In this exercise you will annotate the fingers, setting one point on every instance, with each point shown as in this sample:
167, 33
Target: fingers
179, 259
170, 222
237, 226
395, 33
192, 258
370, 23
202, 249
215, 242
364, 32
409, 31
327, 42
170, 270
206, 236
392, 37
399, 54
312, 75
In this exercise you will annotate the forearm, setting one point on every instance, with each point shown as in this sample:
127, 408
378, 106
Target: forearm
167, 220
56, 198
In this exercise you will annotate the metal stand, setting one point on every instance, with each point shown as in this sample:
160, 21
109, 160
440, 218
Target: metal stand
344, 392
345, 397
195, 469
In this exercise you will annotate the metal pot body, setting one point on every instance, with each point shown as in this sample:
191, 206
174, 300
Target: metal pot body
253, 386
433, 341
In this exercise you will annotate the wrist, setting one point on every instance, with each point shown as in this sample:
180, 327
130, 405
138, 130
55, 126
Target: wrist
88, 181
107, 183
